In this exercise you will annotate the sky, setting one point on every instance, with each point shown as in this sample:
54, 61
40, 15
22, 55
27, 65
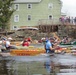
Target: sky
69, 7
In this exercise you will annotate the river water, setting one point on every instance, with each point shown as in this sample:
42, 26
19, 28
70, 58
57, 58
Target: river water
57, 64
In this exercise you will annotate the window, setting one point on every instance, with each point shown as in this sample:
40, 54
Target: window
29, 6
50, 5
14, 27
16, 18
17, 7
29, 17
50, 17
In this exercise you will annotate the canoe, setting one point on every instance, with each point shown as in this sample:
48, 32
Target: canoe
20, 52
71, 43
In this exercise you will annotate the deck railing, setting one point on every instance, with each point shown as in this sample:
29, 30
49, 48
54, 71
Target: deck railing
49, 22
55, 22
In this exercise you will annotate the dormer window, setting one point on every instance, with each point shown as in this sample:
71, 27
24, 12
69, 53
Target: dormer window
29, 6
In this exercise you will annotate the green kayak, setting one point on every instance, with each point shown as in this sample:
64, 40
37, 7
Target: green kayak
71, 43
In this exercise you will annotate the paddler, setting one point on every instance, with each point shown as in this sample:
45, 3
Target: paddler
25, 42
49, 45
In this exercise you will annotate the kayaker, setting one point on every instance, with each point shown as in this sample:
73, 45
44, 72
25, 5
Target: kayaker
8, 45
49, 45
25, 42
29, 39
64, 40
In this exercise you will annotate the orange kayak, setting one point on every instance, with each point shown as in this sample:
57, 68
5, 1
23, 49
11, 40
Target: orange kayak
26, 52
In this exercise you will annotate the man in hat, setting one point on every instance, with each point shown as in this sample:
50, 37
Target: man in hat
49, 45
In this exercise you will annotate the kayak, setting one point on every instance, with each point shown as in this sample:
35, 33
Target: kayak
33, 52
24, 52
20, 52
71, 43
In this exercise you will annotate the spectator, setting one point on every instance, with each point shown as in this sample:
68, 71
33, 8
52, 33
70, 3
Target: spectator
75, 20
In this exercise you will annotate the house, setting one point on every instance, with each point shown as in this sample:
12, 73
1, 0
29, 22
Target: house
34, 12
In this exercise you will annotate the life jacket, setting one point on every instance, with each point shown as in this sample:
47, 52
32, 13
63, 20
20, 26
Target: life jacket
25, 43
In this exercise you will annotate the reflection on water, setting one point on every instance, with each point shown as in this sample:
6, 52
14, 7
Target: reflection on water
38, 65
49, 65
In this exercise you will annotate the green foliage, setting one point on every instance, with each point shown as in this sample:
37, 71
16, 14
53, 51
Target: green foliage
5, 13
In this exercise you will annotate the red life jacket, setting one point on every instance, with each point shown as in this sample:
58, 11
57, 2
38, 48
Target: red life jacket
25, 44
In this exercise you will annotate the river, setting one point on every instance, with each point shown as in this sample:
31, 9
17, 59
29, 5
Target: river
58, 64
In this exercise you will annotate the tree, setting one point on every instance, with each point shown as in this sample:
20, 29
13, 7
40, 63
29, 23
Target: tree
5, 13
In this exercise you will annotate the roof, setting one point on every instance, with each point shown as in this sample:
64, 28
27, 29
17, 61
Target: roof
27, 1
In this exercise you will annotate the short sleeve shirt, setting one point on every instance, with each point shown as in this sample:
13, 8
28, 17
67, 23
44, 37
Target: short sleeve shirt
48, 45
7, 43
